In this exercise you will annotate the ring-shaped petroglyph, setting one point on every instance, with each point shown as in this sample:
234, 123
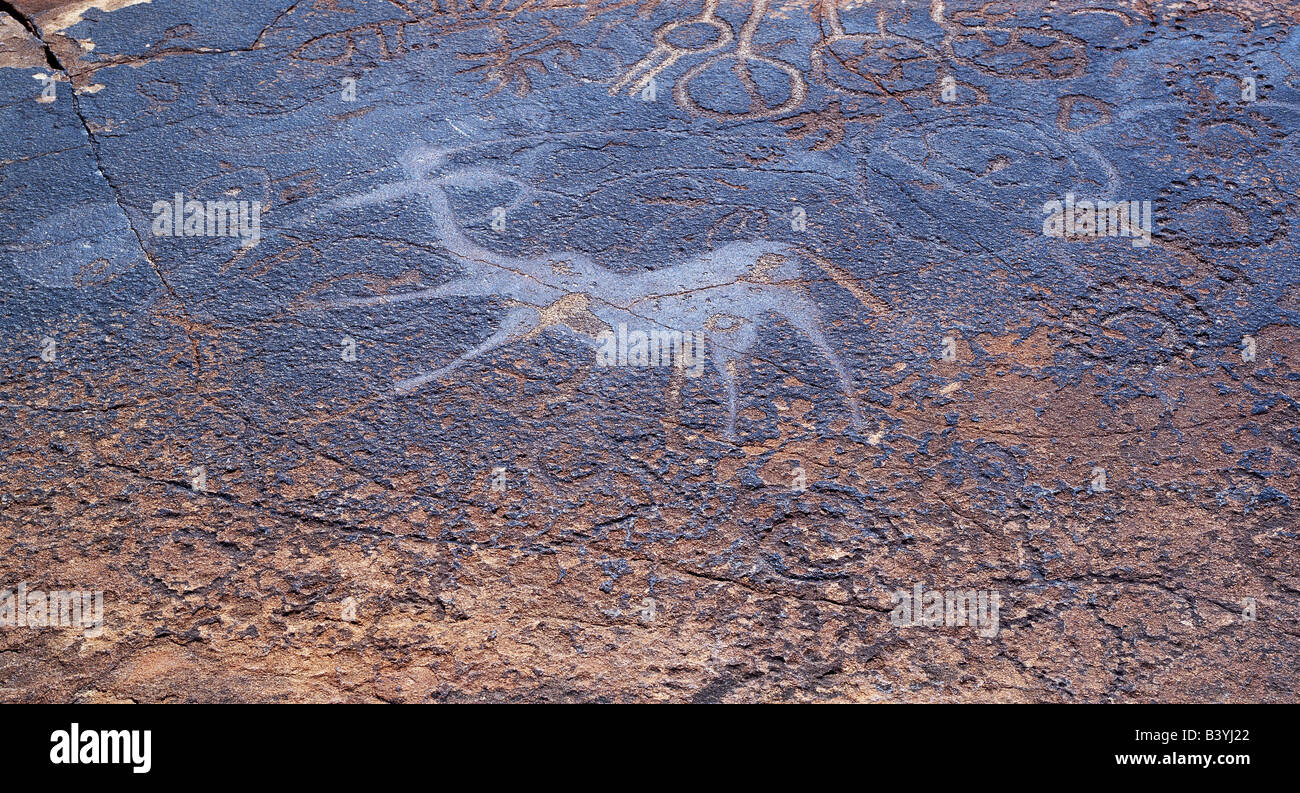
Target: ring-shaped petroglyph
824, 51
666, 53
649, 67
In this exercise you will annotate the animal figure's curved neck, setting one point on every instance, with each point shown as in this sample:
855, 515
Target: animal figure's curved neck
448, 232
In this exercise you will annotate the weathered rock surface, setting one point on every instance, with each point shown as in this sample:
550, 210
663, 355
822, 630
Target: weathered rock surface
928, 389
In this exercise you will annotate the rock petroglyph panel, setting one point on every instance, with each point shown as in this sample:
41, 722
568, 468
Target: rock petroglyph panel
528, 350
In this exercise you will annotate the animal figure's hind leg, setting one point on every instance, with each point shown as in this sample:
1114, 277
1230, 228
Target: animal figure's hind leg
807, 319
726, 366
517, 323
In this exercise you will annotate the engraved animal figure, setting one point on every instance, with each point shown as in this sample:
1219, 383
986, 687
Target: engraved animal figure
727, 293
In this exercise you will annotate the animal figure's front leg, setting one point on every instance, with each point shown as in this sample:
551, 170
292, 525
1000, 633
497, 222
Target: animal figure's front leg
517, 323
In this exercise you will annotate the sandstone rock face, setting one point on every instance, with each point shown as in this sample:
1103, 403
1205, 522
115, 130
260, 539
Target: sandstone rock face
951, 304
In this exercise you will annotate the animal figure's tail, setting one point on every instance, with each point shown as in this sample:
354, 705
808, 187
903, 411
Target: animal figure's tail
848, 281
875, 304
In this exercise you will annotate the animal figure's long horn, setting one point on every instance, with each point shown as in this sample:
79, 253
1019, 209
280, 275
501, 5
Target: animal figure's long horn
380, 194
468, 177
464, 176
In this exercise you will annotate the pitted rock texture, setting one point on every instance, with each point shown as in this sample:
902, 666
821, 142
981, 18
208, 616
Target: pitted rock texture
369, 452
